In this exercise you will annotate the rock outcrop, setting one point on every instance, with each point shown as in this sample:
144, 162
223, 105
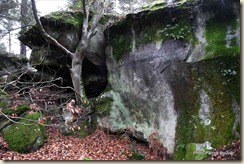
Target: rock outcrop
10, 63
170, 71
173, 69
65, 27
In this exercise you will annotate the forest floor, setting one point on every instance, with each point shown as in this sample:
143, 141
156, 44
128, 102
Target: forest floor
99, 146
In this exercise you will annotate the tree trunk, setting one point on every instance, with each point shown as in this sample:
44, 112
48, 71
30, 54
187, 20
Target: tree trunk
77, 80
23, 10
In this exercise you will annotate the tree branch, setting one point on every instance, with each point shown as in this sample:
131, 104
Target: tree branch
85, 19
9, 17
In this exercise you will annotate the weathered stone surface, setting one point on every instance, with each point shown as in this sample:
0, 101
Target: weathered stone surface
154, 85
213, 30
173, 68
10, 63
52, 63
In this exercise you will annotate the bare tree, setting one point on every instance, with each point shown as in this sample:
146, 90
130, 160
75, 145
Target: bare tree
23, 11
13, 13
89, 28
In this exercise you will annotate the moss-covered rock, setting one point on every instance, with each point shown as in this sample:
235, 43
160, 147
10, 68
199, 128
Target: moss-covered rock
5, 99
18, 111
195, 151
221, 36
8, 60
103, 105
72, 18
81, 129
149, 26
26, 135
4, 122
209, 115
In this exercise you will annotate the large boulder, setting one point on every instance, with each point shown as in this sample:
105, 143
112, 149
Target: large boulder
165, 78
11, 63
52, 62
25, 135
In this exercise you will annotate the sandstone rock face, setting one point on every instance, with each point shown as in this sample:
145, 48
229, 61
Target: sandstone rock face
134, 6
52, 63
172, 67
161, 81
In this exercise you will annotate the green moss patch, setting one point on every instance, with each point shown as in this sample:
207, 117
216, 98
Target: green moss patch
216, 31
4, 99
177, 28
24, 138
194, 153
149, 27
103, 105
148, 35
155, 6
220, 79
19, 110
80, 129
121, 45
73, 18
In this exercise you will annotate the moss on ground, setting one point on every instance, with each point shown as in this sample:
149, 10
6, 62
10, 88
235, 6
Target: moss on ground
19, 110
21, 137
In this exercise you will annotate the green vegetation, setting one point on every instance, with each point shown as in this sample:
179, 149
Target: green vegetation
3, 104
148, 35
185, 129
84, 129
75, 19
23, 138
179, 29
80, 130
193, 154
103, 105
176, 31
87, 158
154, 6
134, 31
19, 110
221, 86
121, 45
138, 115
136, 156
4, 97
216, 31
